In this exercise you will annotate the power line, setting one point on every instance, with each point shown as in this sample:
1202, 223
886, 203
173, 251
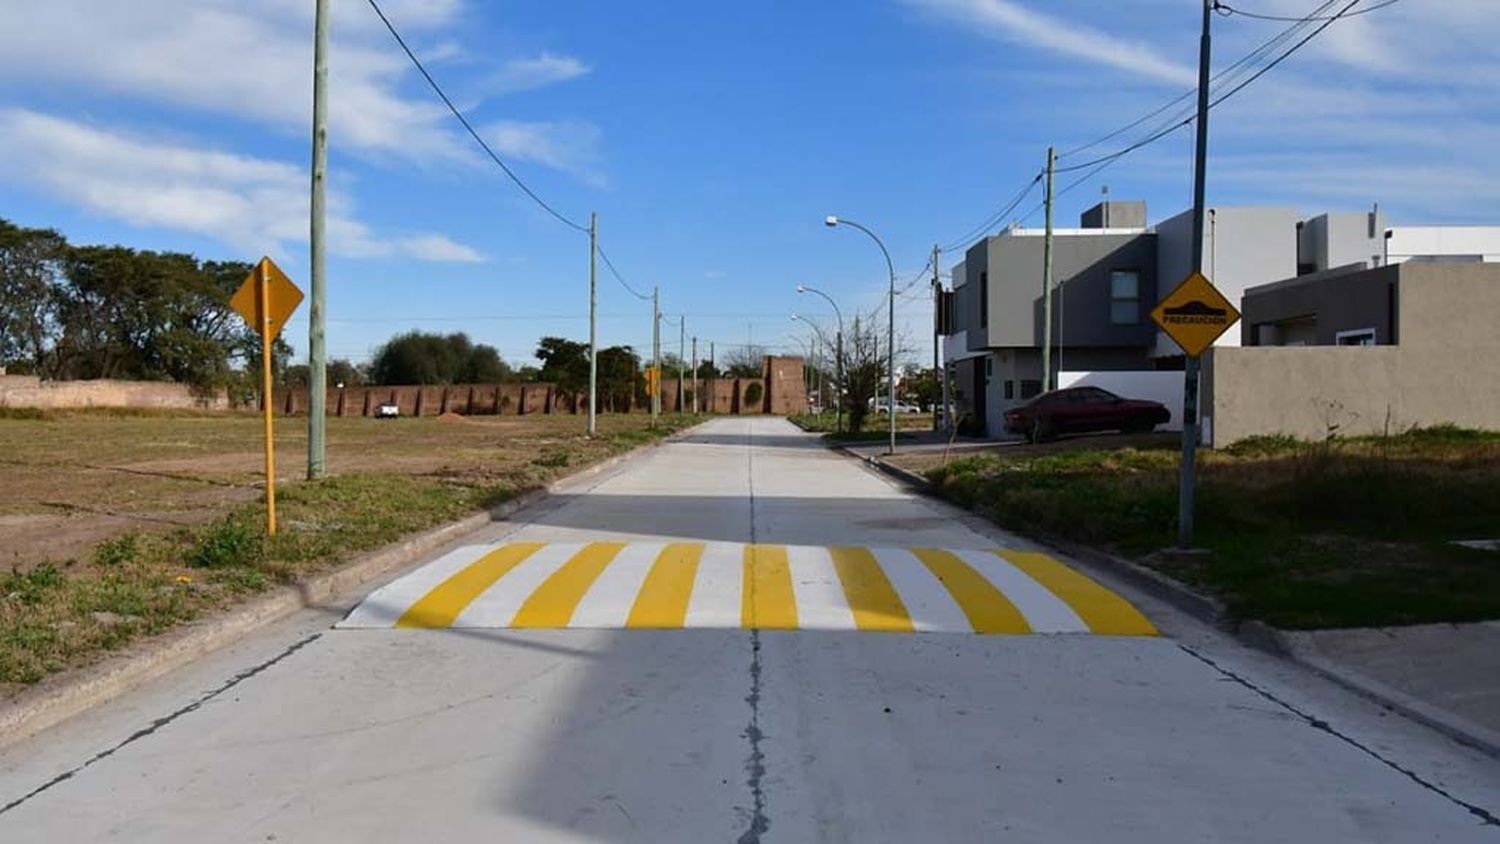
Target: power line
621, 279
990, 221
461, 119
1158, 135
1225, 76
1226, 10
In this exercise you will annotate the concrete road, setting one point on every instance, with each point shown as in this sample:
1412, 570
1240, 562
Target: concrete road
479, 730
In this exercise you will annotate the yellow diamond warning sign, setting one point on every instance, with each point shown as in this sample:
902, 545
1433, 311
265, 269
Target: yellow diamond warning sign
282, 298
1195, 314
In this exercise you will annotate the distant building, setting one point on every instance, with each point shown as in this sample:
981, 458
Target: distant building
1113, 269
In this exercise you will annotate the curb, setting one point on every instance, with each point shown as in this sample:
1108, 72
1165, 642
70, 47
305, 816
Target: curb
72, 693
1202, 607
1295, 648
1255, 634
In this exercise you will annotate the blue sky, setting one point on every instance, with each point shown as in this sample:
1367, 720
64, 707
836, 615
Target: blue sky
711, 138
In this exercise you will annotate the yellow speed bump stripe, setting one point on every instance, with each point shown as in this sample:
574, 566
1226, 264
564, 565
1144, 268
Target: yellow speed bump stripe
663, 599
442, 605
874, 601
1102, 610
552, 604
768, 599
986, 607
744, 586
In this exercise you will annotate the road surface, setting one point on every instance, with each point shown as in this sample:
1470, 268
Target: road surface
583, 672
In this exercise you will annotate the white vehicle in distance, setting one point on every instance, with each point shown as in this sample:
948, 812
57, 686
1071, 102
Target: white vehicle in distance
387, 410
901, 407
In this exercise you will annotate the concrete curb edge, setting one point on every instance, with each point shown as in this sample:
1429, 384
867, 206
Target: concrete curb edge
1297, 649
71, 693
1194, 603
1255, 634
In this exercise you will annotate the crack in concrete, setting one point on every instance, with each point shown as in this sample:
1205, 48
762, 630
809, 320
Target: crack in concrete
755, 764
1485, 816
161, 722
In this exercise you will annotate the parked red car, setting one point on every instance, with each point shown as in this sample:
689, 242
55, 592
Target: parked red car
1081, 409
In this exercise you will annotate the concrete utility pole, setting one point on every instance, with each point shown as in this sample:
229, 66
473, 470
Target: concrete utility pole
695, 375
317, 354
1047, 279
937, 341
681, 358
655, 353
1190, 374
713, 379
593, 323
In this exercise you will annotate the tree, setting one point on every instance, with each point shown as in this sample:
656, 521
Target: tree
420, 358
30, 267
745, 362
865, 368
921, 386
619, 369
564, 363
342, 371
707, 370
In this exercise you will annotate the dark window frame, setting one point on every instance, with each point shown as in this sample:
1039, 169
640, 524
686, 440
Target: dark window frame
1140, 278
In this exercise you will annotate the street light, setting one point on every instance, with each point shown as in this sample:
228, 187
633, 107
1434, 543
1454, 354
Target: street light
890, 338
838, 354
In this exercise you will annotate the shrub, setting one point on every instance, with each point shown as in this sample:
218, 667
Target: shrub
229, 543
114, 552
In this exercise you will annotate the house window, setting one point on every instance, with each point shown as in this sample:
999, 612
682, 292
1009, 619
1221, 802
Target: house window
984, 299
1124, 297
1030, 388
1360, 337
1010, 389
989, 367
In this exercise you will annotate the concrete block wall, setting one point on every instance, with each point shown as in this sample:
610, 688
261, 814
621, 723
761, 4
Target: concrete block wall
30, 391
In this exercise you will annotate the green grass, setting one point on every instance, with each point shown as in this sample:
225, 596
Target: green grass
1345, 533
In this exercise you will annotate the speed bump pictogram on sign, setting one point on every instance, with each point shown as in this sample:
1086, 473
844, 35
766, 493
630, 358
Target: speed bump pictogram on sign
1195, 314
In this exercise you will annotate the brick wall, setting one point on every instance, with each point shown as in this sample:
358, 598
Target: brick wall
29, 391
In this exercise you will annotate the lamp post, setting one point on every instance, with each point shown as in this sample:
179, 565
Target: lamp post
838, 354
820, 338
890, 337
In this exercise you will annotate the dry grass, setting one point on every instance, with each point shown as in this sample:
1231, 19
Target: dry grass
121, 525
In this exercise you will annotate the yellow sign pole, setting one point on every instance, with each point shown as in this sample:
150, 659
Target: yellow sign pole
267, 337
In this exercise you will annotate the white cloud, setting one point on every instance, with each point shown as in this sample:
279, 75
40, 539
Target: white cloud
250, 204
570, 146
541, 71
1009, 21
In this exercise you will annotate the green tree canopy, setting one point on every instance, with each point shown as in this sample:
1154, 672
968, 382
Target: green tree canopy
564, 363
420, 358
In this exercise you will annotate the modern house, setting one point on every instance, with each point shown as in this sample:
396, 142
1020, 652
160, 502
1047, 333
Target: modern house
1361, 351
1112, 270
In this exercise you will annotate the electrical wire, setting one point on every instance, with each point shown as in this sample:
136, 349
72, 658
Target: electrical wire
1158, 135
461, 119
990, 221
610, 265
1225, 76
1225, 10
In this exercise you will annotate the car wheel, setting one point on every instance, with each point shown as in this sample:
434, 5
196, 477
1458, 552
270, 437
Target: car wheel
1041, 431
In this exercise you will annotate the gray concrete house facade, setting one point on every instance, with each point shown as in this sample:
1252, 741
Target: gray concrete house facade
1106, 283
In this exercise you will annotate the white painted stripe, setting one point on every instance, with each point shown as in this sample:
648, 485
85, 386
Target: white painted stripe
389, 602
718, 588
1044, 611
497, 605
821, 603
608, 601
928, 602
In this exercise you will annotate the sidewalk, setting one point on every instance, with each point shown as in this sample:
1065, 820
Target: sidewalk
1445, 675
